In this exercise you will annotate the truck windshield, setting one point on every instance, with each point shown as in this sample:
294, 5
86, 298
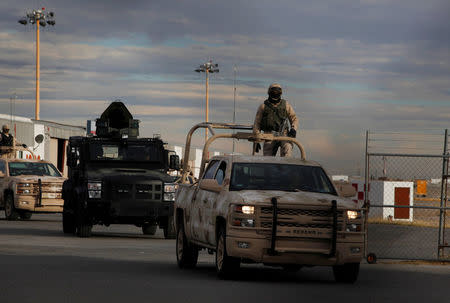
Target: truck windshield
34, 169
125, 152
285, 177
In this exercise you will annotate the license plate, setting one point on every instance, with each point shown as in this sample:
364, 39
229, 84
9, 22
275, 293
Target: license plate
49, 195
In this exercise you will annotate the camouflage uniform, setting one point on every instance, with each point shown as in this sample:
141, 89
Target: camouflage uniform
269, 118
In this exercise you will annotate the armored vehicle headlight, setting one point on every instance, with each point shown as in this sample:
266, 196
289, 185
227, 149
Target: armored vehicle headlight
94, 186
94, 190
352, 214
170, 187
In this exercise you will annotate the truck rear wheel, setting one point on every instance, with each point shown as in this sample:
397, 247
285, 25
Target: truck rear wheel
226, 266
187, 254
11, 213
149, 229
169, 229
346, 273
25, 215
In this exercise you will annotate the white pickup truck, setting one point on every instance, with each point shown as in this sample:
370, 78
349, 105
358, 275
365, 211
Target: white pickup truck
276, 211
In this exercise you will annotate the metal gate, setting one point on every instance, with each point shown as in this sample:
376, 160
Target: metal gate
407, 193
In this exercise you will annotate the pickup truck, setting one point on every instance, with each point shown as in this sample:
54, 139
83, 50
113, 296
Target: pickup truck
282, 212
29, 186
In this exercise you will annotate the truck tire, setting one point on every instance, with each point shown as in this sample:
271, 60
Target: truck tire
187, 254
25, 215
169, 229
68, 221
346, 273
149, 229
226, 266
11, 213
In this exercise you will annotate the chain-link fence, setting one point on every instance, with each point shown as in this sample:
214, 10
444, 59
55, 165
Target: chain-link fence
407, 194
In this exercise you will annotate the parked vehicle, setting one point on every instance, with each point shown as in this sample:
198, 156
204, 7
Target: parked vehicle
29, 186
276, 211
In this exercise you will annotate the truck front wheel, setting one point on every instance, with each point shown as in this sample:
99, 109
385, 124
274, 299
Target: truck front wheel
187, 255
226, 266
346, 273
84, 227
11, 213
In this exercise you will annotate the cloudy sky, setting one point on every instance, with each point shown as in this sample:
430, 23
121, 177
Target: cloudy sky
346, 66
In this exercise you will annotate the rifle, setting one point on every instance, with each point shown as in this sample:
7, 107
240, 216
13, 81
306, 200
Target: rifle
283, 128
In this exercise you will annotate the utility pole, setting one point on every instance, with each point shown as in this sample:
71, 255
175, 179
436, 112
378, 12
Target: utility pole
234, 102
207, 68
40, 18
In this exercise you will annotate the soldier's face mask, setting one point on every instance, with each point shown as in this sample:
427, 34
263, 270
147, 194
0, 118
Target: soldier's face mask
6, 130
275, 94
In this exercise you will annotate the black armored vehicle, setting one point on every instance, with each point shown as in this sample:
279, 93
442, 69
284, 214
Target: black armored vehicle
117, 178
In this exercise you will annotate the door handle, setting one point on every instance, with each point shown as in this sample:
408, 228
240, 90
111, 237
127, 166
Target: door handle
205, 201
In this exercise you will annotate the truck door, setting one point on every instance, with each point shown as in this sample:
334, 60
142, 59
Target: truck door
211, 209
201, 206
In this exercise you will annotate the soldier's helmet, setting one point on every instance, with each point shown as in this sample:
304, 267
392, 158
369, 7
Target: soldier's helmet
5, 128
275, 87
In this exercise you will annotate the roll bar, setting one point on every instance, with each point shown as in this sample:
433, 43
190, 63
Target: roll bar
9, 152
250, 136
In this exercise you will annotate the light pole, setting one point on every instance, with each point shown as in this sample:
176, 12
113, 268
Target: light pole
207, 68
40, 18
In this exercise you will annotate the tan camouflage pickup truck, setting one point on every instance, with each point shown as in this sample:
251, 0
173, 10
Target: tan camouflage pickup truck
277, 211
28, 186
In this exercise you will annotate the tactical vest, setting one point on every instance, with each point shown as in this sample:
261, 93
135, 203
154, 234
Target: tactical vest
273, 116
6, 140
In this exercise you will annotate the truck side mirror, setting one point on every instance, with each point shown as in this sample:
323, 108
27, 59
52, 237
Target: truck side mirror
345, 190
210, 185
174, 162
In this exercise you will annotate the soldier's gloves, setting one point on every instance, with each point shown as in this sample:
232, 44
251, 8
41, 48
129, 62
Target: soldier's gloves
24, 145
257, 148
292, 133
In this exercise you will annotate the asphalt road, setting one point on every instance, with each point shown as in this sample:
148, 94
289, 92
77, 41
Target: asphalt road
119, 264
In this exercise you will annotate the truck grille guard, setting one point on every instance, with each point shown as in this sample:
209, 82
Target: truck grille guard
272, 251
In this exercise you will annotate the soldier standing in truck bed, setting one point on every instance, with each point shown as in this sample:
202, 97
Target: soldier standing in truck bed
271, 117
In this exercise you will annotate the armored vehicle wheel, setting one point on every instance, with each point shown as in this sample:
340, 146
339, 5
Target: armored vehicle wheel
10, 210
84, 230
68, 222
187, 255
225, 265
347, 273
149, 229
169, 229
25, 215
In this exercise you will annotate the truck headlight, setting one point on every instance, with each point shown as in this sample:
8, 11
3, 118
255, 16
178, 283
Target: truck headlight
245, 209
24, 189
352, 214
94, 190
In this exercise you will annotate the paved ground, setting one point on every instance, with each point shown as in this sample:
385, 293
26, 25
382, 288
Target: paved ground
39, 264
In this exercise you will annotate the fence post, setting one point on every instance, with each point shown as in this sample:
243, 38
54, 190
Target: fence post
443, 196
366, 205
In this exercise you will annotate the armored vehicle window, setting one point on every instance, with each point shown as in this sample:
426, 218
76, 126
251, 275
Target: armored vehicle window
2, 167
220, 175
126, 152
32, 168
286, 177
209, 174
